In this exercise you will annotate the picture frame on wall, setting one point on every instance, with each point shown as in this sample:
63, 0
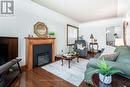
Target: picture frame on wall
72, 34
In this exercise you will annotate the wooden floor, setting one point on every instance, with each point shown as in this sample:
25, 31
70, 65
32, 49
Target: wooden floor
41, 78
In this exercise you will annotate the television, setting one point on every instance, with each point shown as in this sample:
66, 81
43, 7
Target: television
8, 49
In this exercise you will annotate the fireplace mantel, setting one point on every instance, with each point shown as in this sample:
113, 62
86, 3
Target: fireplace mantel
30, 41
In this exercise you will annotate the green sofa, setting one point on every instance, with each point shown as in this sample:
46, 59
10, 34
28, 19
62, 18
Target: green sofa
122, 63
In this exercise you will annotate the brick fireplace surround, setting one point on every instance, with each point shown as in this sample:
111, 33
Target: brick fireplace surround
30, 41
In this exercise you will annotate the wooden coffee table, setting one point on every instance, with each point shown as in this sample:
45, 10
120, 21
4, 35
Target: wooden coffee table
69, 59
117, 81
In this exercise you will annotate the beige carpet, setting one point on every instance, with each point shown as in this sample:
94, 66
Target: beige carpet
74, 75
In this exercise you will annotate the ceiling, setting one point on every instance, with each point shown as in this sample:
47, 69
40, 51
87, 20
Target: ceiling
83, 10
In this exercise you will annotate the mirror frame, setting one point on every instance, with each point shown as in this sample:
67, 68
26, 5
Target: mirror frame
114, 28
76, 29
44, 28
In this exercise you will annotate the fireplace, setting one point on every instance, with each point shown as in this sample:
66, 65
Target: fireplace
39, 51
42, 55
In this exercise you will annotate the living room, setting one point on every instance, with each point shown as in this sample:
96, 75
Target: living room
90, 21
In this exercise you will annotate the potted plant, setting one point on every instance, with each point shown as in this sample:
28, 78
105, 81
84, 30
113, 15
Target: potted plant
52, 34
105, 71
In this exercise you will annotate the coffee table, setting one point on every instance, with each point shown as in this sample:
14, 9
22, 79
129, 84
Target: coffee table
69, 59
117, 81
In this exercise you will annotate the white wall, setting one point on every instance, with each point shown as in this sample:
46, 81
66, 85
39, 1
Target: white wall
27, 13
98, 29
123, 9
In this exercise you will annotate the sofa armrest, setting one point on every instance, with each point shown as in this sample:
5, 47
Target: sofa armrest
124, 67
93, 62
92, 65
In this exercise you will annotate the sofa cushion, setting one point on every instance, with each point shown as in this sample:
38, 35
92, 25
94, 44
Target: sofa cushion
124, 50
110, 57
124, 59
80, 47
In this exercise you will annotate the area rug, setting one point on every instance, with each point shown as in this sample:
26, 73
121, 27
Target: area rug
74, 74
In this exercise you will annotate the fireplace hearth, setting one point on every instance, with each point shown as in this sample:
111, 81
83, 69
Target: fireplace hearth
31, 43
42, 55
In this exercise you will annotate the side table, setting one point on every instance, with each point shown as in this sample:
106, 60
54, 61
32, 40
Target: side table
91, 46
117, 81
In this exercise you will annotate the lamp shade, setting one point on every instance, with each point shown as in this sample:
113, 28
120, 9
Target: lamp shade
91, 37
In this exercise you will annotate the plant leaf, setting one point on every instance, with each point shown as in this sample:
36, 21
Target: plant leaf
94, 71
114, 71
105, 69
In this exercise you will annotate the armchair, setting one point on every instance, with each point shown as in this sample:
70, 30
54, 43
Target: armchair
81, 48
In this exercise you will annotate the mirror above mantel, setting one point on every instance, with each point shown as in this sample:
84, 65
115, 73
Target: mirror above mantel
40, 29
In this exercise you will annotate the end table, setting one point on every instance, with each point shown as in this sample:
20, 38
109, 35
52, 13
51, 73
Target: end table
117, 81
91, 46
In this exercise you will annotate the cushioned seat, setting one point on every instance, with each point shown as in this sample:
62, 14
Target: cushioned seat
124, 59
81, 48
122, 63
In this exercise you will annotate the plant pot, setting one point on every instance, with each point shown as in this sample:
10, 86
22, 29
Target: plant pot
51, 36
105, 79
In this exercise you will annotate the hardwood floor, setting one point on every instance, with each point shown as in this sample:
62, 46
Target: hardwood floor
41, 78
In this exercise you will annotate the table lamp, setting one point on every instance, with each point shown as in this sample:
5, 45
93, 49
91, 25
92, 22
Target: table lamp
92, 38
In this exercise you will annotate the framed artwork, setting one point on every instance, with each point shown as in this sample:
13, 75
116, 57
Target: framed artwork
72, 34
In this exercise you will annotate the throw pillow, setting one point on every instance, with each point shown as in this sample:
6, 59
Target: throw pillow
79, 46
111, 57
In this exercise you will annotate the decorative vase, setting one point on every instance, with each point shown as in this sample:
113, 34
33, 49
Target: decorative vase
105, 79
